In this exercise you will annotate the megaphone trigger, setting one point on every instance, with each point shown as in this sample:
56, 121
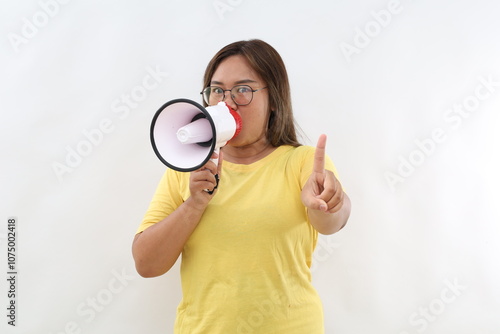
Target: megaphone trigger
210, 192
216, 156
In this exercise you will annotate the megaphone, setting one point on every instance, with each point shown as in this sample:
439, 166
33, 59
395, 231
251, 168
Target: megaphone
185, 134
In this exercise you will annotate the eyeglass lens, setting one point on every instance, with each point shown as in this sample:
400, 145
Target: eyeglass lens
241, 95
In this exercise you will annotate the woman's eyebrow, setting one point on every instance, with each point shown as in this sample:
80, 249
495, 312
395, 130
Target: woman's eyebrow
245, 81
239, 82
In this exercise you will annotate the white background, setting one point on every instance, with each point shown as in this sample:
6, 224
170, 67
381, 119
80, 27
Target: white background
383, 79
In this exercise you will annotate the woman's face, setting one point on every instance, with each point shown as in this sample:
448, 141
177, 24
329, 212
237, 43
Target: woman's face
233, 71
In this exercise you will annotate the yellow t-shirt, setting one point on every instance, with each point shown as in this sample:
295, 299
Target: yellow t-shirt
246, 267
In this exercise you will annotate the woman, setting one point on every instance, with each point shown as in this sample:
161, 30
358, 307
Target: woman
247, 247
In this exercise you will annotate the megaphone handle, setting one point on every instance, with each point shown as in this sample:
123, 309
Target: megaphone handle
216, 185
216, 162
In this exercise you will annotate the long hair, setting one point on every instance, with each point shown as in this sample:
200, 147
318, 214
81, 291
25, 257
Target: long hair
267, 63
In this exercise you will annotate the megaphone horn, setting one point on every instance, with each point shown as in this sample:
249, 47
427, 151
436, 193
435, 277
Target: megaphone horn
184, 134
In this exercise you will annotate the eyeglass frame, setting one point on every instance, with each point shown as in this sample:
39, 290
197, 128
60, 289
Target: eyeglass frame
229, 90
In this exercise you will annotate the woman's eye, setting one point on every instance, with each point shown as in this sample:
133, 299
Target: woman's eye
217, 90
243, 90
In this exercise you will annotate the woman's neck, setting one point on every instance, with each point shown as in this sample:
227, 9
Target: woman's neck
247, 154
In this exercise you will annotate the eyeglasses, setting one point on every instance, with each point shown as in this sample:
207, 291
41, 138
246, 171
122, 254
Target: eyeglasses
242, 95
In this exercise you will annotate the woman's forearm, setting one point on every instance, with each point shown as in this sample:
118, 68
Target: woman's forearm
157, 249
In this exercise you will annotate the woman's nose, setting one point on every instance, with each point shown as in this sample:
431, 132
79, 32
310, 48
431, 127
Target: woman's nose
229, 100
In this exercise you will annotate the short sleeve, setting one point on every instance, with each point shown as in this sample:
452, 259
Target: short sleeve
166, 199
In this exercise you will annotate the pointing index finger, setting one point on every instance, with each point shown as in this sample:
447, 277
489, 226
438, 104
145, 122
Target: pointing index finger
319, 155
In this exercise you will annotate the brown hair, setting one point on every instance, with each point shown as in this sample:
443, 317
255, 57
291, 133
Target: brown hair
267, 63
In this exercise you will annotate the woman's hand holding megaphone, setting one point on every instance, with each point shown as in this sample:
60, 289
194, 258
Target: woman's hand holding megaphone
203, 182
